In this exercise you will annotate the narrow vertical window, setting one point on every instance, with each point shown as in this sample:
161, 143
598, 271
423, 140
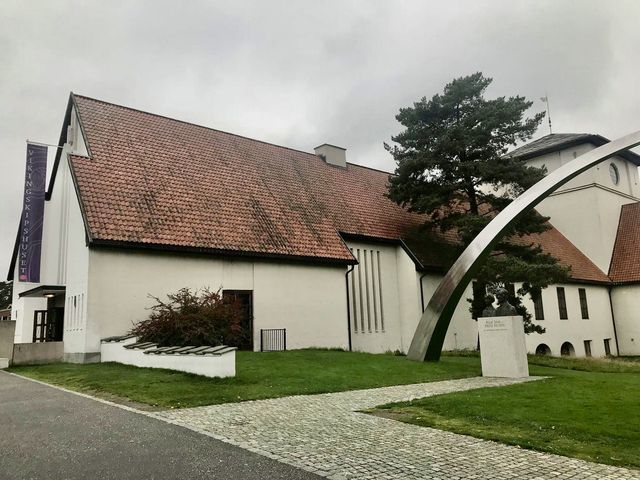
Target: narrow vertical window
82, 323
380, 294
607, 346
374, 292
360, 303
538, 307
587, 348
352, 301
366, 289
562, 303
584, 308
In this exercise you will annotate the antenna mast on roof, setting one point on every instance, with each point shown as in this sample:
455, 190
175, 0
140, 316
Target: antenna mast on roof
545, 99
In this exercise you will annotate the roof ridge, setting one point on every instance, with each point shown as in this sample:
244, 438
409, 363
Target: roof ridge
190, 123
218, 130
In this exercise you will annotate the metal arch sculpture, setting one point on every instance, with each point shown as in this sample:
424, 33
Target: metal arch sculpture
431, 330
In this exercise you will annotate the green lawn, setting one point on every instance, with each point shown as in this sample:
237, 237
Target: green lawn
258, 375
589, 409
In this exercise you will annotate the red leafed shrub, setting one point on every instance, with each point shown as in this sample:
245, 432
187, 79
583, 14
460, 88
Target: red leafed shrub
197, 318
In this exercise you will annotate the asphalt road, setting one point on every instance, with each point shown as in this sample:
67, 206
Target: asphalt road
46, 433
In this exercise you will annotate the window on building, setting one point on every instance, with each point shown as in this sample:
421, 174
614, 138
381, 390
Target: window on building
587, 348
562, 303
365, 292
614, 173
584, 309
543, 349
538, 307
607, 346
567, 350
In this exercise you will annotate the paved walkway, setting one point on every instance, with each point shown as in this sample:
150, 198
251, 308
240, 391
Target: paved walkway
47, 433
324, 434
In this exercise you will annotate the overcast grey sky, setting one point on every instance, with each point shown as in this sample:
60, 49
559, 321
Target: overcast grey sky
306, 72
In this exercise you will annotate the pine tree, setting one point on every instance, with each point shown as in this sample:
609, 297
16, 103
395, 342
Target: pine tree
5, 294
452, 166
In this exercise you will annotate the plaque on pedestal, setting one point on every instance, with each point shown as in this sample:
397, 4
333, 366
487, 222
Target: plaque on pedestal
503, 351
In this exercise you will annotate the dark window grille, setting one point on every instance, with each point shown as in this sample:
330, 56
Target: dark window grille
273, 339
538, 307
607, 346
584, 308
562, 303
587, 348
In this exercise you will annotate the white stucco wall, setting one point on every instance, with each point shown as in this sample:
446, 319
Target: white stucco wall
587, 209
385, 272
589, 219
625, 300
463, 330
597, 328
64, 259
308, 300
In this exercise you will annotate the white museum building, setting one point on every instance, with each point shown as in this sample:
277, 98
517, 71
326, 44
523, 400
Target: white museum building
139, 204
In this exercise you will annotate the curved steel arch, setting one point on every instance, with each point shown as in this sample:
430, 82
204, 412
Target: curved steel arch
431, 330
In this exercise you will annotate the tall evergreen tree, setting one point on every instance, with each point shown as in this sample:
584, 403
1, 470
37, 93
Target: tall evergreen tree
5, 294
452, 166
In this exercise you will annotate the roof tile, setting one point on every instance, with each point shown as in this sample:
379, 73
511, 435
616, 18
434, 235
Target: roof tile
625, 261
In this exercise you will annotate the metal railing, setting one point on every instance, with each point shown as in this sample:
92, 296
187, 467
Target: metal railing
273, 339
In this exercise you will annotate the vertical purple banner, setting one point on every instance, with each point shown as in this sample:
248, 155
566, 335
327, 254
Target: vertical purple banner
32, 214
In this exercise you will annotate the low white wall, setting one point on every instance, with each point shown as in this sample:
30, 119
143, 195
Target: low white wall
223, 365
37, 353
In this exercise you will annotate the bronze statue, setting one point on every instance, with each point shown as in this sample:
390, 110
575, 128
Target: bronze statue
489, 311
505, 309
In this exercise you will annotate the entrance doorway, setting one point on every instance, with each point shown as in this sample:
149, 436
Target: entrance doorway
48, 325
244, 300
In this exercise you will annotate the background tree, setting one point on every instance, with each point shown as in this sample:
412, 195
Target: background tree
451, 166
5, 294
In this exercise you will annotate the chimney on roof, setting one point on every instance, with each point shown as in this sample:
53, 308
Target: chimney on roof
332, 155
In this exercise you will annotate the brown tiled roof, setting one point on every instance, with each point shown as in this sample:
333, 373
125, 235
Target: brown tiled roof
152, 180
625, 261
557, 245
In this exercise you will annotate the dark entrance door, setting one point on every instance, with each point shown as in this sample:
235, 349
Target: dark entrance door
48, 325
244, 300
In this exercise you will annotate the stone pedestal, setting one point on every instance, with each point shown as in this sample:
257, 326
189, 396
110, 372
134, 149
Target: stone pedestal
503, 351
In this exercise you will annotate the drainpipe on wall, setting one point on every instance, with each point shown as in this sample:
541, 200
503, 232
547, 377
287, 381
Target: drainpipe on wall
422, 291
613, 319
346, 281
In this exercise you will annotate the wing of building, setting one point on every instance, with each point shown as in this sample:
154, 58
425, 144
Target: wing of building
141, 205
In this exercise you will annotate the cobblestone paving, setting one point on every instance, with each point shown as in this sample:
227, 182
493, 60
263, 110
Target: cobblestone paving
324, 434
